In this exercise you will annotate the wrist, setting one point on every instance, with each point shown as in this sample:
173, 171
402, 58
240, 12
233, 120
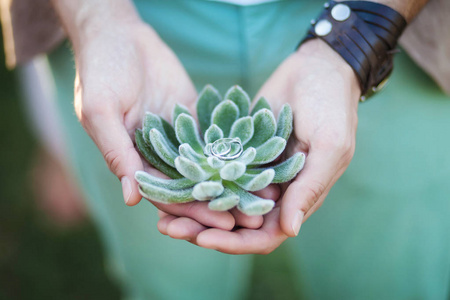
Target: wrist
321, 53
85, 20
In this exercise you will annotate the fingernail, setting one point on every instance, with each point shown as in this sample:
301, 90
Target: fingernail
297, 222
126, 188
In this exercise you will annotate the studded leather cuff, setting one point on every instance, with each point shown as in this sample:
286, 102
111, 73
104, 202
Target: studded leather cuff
365, 34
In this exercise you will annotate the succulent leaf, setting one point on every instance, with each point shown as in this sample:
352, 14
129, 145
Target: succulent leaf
286, 170
247, 156
170, 133
256, 182
164, 195
152, 158
269, 151
178, 110
187, 132
207, 190
260, 104
152, 121
243, 129
240, 97
284, 124
171, 184
213, 133
191, 170
224, 115
232, 170
215, 163
162, 148
208, 99
186, 151
250, 204
227, 200
265, 126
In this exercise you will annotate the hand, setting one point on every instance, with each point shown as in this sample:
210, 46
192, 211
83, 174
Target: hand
123, 69
323, 92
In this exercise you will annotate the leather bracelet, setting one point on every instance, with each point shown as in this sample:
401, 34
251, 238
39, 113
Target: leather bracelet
365, 34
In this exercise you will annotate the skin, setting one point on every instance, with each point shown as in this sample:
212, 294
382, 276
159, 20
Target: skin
124, 69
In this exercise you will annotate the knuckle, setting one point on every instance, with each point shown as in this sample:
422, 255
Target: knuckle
313, 191
112, 158
190, 209
96, 102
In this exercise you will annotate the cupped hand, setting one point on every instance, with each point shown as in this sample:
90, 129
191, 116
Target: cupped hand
124, 69
323, 92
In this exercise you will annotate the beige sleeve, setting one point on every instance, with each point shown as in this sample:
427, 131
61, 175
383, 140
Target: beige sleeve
427, 41
30, 27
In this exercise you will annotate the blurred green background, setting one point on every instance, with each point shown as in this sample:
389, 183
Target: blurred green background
38, 260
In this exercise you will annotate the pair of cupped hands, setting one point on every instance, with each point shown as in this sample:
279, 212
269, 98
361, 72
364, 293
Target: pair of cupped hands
128, 70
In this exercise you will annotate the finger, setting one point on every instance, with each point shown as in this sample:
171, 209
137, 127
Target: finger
111, 137
245, 241
163, 223
250, 222
199, 212
162, 214
306, 190
272, 191
319, 203
184, 229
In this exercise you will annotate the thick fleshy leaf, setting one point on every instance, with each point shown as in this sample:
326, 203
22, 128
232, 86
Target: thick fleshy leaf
152, 121
232, 170
187, 151
162, 148
224, 116
260, 104
256, 182
191, 170
284, 124
265, 127
247, 156
207, 150
215, 163
208, 99
171, 184
213, 133
227, 200
286, 170
152, 158
240, 97
186, 131
207, 190
178, 110
164, 195
250, 204
243, 129
269, 151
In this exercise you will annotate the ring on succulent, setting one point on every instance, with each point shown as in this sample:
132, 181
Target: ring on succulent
232, 157
225, 148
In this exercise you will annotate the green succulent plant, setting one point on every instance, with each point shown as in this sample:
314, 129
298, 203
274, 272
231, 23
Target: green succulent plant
227, 162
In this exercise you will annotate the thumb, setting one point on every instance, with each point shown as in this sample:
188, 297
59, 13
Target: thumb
311, 186
117, 148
